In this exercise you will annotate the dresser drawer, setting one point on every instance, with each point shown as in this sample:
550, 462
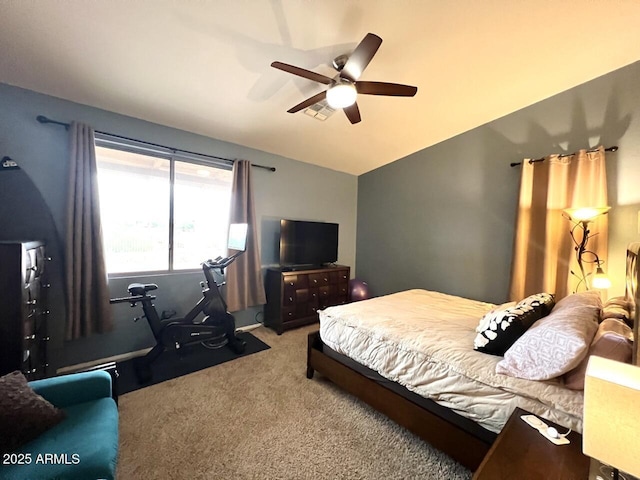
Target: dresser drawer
35, 262
324, 292
296, 281
293, 295
294, 312
29, 328
341, 276
319, 279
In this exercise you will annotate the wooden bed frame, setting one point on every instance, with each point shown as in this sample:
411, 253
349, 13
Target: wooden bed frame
467, 448
459, 444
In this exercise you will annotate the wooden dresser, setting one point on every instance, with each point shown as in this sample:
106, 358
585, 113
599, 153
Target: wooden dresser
23, 308
294, 297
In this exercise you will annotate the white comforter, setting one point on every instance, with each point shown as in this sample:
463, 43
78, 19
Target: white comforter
424, 341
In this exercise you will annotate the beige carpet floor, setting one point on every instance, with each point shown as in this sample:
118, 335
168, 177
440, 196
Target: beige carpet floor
259, 417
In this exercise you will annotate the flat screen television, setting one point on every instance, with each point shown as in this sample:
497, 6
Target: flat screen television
308, 243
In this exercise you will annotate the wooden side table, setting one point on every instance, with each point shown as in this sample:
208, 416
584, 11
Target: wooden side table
521, 452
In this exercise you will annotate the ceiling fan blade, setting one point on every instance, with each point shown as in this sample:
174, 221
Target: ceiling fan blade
308, 102
361, 57
384, 88
353, 113
301, 72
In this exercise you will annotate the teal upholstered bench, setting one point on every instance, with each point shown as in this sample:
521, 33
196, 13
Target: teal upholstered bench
85, 444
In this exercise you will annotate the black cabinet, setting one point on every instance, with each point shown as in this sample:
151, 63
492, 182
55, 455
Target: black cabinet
24, 308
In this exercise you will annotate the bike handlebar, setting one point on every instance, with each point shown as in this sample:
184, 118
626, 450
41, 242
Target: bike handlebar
221, 263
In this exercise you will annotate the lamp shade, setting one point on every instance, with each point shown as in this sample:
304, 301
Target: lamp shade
611, 424
600, 280
586, 214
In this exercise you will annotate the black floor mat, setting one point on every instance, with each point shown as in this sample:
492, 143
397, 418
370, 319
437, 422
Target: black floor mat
175, 363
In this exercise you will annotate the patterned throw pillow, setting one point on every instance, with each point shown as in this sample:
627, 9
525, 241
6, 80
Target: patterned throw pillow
557, 343
24, 415
500, 328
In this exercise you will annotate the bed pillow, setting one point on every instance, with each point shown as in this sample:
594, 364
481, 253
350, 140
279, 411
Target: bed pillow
556, 343
482, 324
500, 327
24, 415
618, 301
617, 307
613, 340
543, 301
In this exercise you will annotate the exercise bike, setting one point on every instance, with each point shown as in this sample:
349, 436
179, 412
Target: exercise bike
216, 330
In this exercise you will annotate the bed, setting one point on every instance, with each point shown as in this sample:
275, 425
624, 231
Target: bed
389, 352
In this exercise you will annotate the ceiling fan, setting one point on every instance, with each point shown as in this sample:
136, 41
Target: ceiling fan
345, 86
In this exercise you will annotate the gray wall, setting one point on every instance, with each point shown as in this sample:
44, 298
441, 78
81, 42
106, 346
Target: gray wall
296, 190
443, 218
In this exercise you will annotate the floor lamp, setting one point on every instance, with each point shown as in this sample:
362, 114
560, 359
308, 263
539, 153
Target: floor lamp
580, 234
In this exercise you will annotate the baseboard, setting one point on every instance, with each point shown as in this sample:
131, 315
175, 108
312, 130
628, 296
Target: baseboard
248, 328
126, 356
115, 358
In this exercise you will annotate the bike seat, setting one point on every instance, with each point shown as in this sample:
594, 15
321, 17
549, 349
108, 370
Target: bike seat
141, 288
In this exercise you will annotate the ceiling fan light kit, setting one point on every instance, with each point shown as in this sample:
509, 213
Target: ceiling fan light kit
345, 87
342, 94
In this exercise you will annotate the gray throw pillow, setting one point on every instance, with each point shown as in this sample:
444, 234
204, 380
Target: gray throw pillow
24, 415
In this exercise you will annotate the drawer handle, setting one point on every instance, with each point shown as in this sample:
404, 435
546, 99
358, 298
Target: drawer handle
291, 283
313, 294
33, 370
291, 299
31, 302
46, 339
48, 259
326, 279
315, 281
46, 285
30, 337
290, 314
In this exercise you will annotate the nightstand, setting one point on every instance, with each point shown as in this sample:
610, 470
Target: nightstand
521, 452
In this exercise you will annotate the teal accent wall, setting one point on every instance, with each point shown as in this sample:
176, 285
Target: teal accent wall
443, 218
296, 190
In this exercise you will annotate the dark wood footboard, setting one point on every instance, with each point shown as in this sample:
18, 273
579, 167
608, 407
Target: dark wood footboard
458, 443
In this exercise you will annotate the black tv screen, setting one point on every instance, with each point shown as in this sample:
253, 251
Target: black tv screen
308, 243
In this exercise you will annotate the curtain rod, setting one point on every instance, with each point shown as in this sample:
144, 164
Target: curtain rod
591, 150
43, 119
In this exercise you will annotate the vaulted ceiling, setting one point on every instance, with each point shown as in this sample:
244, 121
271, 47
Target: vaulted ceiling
204, 66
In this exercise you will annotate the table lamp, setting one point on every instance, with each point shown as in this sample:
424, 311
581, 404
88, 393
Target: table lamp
611, 423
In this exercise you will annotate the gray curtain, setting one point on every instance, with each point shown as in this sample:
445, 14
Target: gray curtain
87, 296
245, 287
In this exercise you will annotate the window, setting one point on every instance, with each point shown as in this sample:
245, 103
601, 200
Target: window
160, 212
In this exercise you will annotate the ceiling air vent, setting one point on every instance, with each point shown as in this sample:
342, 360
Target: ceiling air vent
320, 110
